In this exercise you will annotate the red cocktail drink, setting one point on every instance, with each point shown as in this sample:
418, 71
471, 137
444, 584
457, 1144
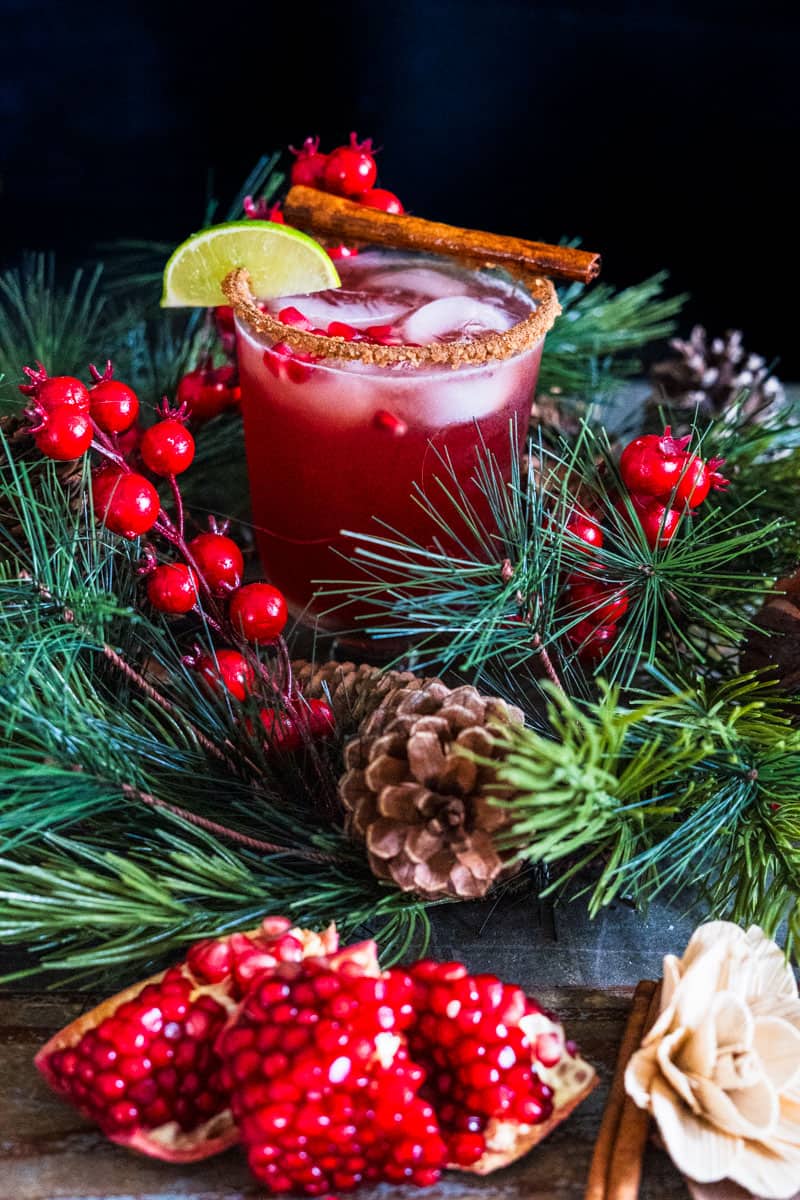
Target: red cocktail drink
349, 400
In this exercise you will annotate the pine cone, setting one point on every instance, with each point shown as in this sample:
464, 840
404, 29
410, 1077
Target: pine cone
775, 640
353, 692
709, 379
423, 806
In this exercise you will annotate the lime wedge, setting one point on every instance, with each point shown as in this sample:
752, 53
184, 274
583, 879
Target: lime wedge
281, 261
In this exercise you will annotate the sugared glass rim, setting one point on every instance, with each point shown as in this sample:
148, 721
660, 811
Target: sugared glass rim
483, 348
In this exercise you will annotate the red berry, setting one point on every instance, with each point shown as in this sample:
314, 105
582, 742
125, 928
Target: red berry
224, 317
308, 168
320, 719
231, 669
282, 731
582, 526
380, 198
219, 560
207, 393
696, 481
167, 447
350, 170
53, 393
275, 214
650, 465
258, 611
605, 605
594, 641
66, 434
342, 251
114, 406
658, 522
172, 588
126, 503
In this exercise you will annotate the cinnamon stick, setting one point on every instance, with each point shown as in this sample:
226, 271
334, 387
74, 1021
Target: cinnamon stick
332, 216
625, 1168
597, 1184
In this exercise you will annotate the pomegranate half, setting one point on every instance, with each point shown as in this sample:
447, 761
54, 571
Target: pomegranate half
143, 1066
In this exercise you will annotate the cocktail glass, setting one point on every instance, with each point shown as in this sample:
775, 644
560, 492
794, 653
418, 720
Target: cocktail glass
337, 431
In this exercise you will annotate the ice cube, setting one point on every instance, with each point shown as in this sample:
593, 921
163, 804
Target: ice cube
425, 283
454, 317
359, 309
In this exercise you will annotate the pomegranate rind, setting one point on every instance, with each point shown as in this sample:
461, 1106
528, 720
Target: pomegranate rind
572, 1079
168, 1141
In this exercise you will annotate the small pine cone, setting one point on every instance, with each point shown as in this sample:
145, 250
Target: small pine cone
773, 642
353, 692
710, 377
422, 806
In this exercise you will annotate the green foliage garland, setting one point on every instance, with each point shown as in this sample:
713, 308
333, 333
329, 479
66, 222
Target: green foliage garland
138, 813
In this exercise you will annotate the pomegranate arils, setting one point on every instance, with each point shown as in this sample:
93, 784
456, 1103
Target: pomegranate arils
343, 1105
288, 365
115, 1064
293, 316
466, 1035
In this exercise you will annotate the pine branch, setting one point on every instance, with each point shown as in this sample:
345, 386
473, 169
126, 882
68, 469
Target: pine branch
173, 885
691, 788
593, 338
492, 586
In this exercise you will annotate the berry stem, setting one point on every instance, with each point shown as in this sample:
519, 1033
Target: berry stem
178, 499
161, 700
224, 831
547, 663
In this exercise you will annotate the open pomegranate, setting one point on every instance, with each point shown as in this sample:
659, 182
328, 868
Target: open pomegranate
340, 1074
143, 1064
330, 1071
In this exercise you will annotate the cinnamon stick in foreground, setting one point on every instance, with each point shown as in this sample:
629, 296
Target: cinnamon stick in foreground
597, 1184
625, 1168
333, 216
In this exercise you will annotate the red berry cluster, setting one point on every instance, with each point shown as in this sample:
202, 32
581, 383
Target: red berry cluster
67, 418
346, 171
665, 481
208, 391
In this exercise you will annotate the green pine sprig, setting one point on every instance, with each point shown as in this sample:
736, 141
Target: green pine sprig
493, 584
692, 789
593, 341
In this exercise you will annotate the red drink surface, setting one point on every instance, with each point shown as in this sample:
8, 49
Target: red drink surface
334, 445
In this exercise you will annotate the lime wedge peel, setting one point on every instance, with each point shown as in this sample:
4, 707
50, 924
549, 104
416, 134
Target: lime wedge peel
281, 261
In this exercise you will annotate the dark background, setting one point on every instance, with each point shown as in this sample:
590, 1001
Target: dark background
664, 134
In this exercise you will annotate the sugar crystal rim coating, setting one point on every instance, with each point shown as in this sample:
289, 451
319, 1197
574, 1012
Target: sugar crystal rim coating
486, 347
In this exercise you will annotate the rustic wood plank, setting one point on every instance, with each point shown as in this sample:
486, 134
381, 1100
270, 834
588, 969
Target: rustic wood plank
47, 1152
